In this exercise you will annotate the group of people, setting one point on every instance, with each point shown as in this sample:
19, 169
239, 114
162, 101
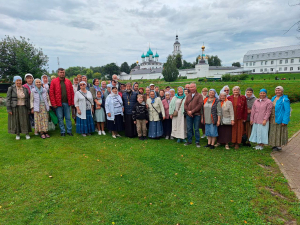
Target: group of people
223, 117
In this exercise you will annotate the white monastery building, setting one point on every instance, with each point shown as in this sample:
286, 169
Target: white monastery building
273, 60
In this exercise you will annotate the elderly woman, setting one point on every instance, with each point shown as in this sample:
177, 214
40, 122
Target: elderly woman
186, 91
279, 119
155, 107
239, 103
45, 82
75, 84
162, 94
147, 94
260, 114
52, 77
204, 94
107, 91
167, 123
176, 111
212, 117
18, 108
172, 93
227, 120
226, 89
248, 127
75, 88
84, 103
29, 85
40, 106
114, 111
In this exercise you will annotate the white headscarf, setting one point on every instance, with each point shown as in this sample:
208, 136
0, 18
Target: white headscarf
222, 90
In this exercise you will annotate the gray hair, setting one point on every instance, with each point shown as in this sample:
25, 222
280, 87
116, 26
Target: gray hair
194, 84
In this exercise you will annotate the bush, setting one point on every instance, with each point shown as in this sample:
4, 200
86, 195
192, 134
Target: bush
226, 77
234, 78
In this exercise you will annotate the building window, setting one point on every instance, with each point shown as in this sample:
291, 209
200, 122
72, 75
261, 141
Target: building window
261, 63
298, 67
280, 53
272, 62
250, 63
280, 69
285, 68
280, 61
286, 61
293, 52
286, 53
253, 70
292, 60
271, 69
252, 57
274, 54
261, 70
257, 56
266, 69
253, 63
246, 64
266, 62
291, 68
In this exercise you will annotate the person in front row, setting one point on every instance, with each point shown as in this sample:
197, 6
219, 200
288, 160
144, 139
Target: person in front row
140, 117
114, 111
99, 113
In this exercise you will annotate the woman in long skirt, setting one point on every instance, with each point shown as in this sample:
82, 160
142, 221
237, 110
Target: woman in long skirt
167, 123
248, 127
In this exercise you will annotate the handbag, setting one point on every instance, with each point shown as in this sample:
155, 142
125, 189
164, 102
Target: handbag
159, 113
175, 113
226, 121
51, 126
53, 117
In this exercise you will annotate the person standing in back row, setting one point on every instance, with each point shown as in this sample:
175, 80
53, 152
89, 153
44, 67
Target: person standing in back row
62, 97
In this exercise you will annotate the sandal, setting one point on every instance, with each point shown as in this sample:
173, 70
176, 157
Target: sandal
227, 147
43, 136
47, 135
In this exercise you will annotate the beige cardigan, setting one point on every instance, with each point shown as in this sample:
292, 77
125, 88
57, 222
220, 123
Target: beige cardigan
227, 111
153, 115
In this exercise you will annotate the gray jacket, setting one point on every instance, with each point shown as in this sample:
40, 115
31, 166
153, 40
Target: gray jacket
227, 111
12, 98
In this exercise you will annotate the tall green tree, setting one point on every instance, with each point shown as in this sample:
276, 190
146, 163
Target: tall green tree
237, 64
19, 56
170, 71
75, 70
214, 60
125, 68
187, 65
178, 59
89, 73
111, 69
97, 75
133, 65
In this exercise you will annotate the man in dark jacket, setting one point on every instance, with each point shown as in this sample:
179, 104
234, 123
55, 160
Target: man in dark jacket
129, 98
140, 117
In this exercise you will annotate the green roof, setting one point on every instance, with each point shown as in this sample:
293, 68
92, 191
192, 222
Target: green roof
147, 54
150, 51
156, 55
143, 56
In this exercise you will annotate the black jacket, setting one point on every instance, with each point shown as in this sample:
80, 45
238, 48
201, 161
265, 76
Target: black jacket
139, 112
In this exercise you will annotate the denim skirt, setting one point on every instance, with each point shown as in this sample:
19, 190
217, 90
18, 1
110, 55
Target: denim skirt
86, 126
211, 130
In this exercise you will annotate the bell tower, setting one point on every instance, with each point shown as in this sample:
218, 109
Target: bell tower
176, 45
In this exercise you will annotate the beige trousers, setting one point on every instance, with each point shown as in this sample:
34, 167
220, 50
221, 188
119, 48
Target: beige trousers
141, 128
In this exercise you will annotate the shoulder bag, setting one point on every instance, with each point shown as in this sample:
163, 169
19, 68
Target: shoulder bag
175, 113
159, 114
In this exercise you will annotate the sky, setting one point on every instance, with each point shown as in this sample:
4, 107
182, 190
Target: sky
96, 32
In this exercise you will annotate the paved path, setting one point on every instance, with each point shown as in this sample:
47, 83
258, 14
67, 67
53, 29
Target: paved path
288, 161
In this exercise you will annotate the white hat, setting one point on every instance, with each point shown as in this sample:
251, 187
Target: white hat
151, 84
28, 75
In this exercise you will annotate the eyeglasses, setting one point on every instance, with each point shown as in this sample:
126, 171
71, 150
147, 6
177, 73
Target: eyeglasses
82, 85
226, 90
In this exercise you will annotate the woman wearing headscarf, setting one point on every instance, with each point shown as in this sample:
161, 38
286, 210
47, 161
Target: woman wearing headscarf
84, 103
45, 82
40, 106
155, 107
18, 108
107, 91
226, 89
212, 117
162, 94
172, 93
167, 123
239, 103
29, 85
176, 111
279, 119
114, 111
248, 127
204, 94
260, 114
227, 120
135, 87
75, 88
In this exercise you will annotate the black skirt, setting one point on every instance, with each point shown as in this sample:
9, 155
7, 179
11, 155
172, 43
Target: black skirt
130, 130
225, 134
167, 125
115, 125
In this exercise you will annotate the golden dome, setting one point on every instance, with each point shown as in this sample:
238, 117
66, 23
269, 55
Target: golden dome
137, 62
203, 47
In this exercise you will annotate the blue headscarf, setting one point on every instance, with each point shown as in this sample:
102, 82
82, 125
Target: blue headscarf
216, 94
17, 78
109, 85
39, 90
153, 99
180, 96
263, 90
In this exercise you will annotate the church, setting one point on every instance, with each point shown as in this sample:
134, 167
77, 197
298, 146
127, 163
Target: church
151, 68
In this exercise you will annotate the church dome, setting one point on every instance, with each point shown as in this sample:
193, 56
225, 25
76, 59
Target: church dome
156, 55
150, 51
143, 56
147, 54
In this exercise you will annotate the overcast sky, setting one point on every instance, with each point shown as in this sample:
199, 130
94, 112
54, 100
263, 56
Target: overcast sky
94, 33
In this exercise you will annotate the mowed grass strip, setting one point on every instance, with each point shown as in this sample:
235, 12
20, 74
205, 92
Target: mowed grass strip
98, 179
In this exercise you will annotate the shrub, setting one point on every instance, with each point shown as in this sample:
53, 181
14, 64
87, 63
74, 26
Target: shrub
226, 77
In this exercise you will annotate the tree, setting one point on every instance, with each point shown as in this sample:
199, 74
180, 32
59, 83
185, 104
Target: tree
187, 65
75, 70
170, 71
97, 75
214, 60
133, 65
111, 69
19, 56
89, 73
237, 64
125, 68
178, 61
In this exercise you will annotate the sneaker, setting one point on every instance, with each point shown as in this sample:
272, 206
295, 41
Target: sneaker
70, 134
256, 147
261, 148
27, 137
184, 141
227, 147
217, 145
178, 140
167, 137
114, 136
188, 143
103, 132
118, 135
145, 137
207, 146
36, 134
83, 135
203, 136
89, 134
212, 147
18, 137
172, 138
99, 132
198, 145
141, 138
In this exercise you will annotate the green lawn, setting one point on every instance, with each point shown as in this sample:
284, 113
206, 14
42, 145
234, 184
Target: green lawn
100, 180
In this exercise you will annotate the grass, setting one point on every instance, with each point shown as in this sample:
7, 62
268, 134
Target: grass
98, 179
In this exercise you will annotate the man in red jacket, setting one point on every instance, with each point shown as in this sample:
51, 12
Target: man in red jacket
62, 97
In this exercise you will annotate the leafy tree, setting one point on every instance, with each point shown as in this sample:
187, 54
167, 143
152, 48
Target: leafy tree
178, 61
97, 75
133, 65
237, 64
214, 60
111, 69
89, 73
97, 69
170, 71
125, 68
75, 70
19, 56
187, 65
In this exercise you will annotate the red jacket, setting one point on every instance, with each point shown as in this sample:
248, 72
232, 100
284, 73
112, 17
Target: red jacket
55, 92
242, 113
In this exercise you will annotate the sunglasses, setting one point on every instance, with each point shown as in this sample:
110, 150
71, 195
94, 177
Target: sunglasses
226, 90
82, 85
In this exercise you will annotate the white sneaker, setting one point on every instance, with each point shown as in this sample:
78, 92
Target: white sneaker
103, 132
18, 137
167, 137
172, 138
99, 132
27, 137
257, 147
203, 136
83, 135
114, 136
260, 147
118, 135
